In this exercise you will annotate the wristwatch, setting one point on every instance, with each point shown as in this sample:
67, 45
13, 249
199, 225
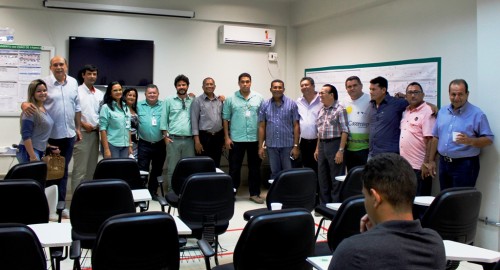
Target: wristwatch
341, 150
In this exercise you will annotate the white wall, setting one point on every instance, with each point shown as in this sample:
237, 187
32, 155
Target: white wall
187, 46
487, 98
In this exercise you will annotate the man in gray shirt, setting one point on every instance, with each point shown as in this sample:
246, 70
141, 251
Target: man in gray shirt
390, 238
206, 123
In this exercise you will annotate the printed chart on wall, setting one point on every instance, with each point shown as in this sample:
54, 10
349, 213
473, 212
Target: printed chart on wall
399, 74
19, 65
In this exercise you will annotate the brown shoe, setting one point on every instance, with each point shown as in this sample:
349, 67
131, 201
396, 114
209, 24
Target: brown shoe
257, 199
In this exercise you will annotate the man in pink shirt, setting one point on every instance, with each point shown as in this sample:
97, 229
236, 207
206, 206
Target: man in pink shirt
416, 134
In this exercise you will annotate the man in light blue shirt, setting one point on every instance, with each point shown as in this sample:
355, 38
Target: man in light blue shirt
461, 130
151, 146
279, 128
63, 105
176, 126
240, 132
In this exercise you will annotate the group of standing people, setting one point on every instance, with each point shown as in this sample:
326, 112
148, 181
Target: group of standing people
316, 131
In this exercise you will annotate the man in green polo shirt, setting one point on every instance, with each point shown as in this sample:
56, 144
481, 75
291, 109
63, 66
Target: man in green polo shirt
176, 126
151, 146
240, 115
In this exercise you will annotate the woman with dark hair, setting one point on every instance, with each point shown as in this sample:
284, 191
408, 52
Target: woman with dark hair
114, 124
130, 98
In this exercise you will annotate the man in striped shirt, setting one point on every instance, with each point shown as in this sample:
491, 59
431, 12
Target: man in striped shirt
332, 138
279, 127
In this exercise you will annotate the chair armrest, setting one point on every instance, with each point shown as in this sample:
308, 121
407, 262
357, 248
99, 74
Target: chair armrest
207, 251
206, 248
59, 208
143, 206
163, 202
75, 252
160, 183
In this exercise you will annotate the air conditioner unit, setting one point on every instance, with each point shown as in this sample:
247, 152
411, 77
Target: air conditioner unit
239, 35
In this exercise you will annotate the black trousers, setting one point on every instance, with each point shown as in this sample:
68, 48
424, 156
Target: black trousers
212, 145
236, 155
307, 149
151, 155
355, 158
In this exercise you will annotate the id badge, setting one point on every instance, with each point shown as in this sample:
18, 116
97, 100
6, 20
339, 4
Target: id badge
247, 113
153, 121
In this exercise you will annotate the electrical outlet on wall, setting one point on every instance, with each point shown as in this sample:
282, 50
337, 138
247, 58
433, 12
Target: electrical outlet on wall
273, 57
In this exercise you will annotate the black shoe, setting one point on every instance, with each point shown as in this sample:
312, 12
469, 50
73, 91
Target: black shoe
154, 197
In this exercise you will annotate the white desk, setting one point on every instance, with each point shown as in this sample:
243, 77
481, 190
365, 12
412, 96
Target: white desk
144, 173
454, 251
333, 206
217, 170
182, 228
461, 252
53, 234
423, 200
141, 195
340, 178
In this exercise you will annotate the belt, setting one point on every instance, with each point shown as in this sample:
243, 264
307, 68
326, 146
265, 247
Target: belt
329, 140
308, 140
210, 133
450, 160
180, 137
151, 143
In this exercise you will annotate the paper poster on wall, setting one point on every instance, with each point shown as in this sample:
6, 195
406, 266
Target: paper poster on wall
399, 74
19, 65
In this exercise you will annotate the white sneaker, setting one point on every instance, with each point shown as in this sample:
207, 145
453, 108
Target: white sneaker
54, 217
65, 213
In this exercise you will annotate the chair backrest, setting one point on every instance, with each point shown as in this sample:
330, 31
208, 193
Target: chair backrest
23, 201
454, 213
352, 184
33, 170
145, 240
188, 166
206, 196
20, 248
294, 188
281, 239
125, 169
346, 221
95, 201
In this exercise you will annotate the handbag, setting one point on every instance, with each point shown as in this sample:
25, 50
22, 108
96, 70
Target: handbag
55, 166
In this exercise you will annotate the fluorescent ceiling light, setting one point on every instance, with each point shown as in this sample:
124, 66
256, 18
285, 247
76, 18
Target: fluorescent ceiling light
118, 9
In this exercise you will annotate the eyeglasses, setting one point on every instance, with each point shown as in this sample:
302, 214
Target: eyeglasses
409, 93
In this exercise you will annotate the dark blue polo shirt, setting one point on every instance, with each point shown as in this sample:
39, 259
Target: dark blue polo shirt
384, 125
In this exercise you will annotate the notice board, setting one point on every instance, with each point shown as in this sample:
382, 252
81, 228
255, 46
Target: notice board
19, 65
399, 74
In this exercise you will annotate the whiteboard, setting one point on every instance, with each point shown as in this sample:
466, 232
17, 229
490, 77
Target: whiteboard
19, 65
399, 74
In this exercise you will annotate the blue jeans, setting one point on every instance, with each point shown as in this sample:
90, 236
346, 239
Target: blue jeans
23, 156
279, 159
118, 152
461, 172
66, 147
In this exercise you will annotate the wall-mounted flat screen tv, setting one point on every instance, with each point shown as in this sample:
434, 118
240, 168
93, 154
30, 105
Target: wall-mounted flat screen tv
128, 61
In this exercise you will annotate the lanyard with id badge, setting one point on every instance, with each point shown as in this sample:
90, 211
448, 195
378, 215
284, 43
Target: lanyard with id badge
248, 113
153, 120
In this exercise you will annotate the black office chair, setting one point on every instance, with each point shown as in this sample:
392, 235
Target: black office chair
125, 169
207, 205
20, 248
453, 215
280, 239
136, 241
344, 224
185, 167
294, 188
95, 201
24, 201
351, 186
33, 170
